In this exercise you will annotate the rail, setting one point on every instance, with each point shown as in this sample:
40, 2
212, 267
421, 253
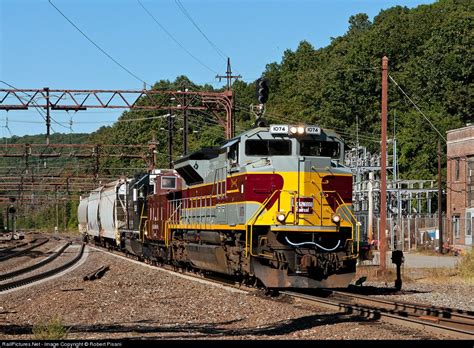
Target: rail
44, 275
34, 266
23, 251
398, 316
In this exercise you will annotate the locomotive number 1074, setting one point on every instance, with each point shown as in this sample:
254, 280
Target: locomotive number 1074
279, 129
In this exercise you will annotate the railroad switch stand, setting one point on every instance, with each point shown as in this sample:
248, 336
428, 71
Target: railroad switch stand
398, 259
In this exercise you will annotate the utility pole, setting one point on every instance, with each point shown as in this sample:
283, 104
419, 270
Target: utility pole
170, 140
185, 123
383, 166
48, 117
228, 75
57, 209
370, 223
440, 193
230, 124
153, 152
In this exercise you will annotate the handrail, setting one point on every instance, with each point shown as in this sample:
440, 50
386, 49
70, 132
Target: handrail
141, 235
168, 221
356, 222
254, 218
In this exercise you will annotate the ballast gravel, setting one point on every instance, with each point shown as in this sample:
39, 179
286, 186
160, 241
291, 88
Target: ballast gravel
137, 301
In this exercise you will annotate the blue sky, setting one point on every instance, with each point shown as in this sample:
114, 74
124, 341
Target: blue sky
39, 48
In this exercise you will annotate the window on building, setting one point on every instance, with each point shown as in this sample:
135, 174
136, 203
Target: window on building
470, 182
468, 226
268, 147
456, 229
456, 169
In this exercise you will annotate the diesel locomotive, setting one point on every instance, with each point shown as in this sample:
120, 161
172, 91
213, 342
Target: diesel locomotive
272, 205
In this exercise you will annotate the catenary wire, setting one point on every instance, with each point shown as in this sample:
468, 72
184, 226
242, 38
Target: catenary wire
174, 39
98, 47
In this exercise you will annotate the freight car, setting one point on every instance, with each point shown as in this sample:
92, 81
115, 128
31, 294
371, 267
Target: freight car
271, 206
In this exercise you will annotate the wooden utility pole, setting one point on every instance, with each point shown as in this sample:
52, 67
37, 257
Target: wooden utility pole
440, 195
383, 167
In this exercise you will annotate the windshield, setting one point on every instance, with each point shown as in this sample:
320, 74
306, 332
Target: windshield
319, 148
268, 147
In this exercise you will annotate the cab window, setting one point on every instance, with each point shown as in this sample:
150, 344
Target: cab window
268, 147
233, 154
319, 148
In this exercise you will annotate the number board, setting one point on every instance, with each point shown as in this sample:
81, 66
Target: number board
313, 130
279, 129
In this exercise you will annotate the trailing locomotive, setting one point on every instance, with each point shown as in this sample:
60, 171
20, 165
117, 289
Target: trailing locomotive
272, 205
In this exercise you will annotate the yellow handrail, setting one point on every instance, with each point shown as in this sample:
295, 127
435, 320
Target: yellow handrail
168, 222
356, 222
254, 218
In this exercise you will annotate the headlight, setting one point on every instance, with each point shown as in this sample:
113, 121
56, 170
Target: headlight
281, 217
336, 218
293, 130
300, 130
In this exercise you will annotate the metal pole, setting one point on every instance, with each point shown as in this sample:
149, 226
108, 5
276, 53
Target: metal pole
48, 117
383, 166
185, 124
153, 149
440, 193
170, 140
57, 212
370, 228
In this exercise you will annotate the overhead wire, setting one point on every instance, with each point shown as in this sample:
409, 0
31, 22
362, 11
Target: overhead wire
417, 108
186, 13
174, 39
98, 47
285, 119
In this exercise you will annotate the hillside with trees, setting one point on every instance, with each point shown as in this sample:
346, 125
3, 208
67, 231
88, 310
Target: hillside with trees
430, 51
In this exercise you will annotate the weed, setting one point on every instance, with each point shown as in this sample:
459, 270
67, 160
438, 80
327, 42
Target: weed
465, 266
53, 330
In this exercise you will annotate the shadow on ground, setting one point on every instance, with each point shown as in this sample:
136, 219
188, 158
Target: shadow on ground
191, 330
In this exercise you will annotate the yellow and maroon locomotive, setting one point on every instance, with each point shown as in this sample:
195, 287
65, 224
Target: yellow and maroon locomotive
272, 205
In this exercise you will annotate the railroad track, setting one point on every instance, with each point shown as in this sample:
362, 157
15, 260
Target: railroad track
36, 265
8, 249
43, 275
25, 250
446, 321
441, 320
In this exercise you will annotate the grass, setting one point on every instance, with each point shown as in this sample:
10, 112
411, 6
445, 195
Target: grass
53, 330
465, 267
373, 273
463, 272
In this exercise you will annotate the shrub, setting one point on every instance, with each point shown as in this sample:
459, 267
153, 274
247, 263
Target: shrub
466, 266
53, 330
